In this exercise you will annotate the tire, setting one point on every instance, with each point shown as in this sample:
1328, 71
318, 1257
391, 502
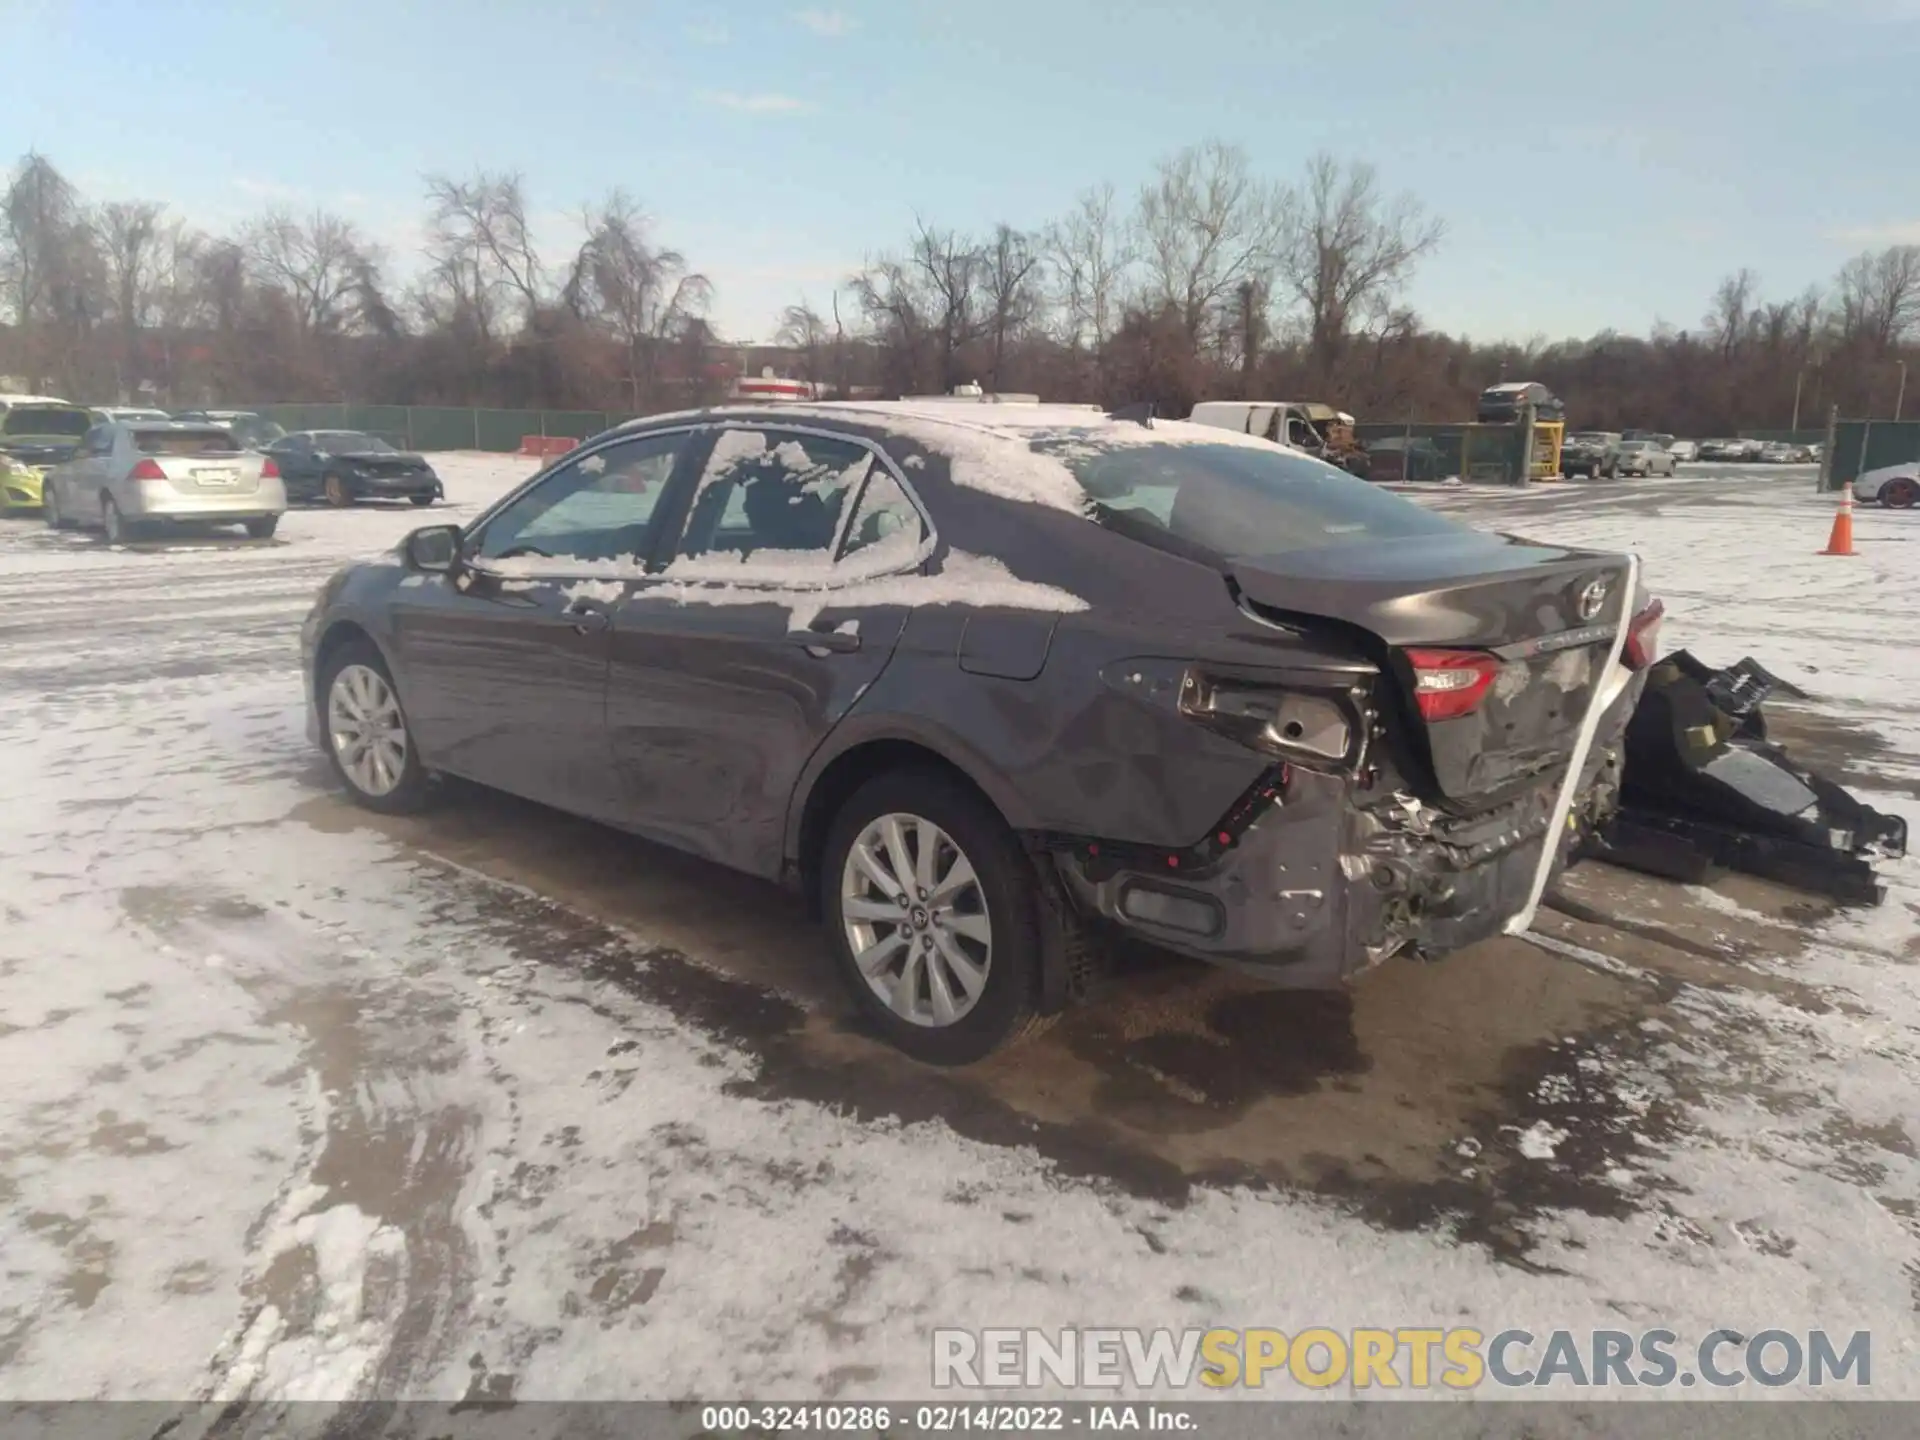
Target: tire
335, 492
359, 672
1001, 903
263, 528
116, 527
50, 511
421, 500
1900, 493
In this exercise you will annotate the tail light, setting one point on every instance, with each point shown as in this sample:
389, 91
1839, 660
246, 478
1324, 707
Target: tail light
1643, 637
1450, 683
269, 470
147, 470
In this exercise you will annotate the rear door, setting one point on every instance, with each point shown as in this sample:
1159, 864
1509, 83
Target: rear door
503, 663
782, 604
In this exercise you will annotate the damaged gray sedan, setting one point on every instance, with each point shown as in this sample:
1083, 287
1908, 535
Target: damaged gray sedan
986, 681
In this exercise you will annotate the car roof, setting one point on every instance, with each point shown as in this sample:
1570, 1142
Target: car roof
1012, 421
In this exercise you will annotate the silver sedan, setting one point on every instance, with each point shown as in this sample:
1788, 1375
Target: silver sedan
1643, 457
130, 479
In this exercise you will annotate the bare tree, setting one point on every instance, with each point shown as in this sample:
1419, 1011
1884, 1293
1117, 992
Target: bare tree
898, 318
128, 233
949, 267
1731, 317
1205, 225
802, 328
644, 295
1009, 281
481, 250
1877, 297
47, 261
1091, 253
1347, 251
321, 264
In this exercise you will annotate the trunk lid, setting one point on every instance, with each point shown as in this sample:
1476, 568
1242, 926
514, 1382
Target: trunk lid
1547, 615
234, 474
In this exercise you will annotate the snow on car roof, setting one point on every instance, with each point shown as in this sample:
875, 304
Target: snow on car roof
975, 438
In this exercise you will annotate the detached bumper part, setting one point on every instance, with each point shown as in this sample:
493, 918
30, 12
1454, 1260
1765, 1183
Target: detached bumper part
1704, 790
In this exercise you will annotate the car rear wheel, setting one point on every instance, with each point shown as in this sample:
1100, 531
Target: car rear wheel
365, 732
263, 528
119, 530
421, 500
335, 489
1900, 493
935, 917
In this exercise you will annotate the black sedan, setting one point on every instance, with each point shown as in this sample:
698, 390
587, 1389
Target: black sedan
343, 466
984, 682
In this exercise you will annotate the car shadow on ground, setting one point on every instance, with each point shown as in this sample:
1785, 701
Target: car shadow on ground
1474, 1094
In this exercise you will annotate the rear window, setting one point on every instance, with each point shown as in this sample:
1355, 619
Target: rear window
33, 420
184, 442
1235, 499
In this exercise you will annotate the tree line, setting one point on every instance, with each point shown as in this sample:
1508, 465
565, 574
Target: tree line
1211, 281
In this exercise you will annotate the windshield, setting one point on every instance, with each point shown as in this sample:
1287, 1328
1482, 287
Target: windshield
35, 420
252, 430
185, 442
349, 442
1234, 499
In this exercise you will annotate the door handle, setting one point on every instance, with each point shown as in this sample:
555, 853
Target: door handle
587, 617
822, 642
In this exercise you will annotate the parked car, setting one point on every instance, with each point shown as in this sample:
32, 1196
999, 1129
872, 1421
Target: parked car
129, 414
1895, 486
1643, 457
1684, 450
1780, 452
1593, 453
976, 683
1723, 449
342, 466
252, 430
1504, 403
34, 437
133, 479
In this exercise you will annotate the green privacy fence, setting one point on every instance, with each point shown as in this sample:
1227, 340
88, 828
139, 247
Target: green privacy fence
1867, 445
1435, 451
443, 427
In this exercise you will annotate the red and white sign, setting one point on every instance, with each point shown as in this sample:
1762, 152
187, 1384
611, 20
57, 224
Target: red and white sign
764, 388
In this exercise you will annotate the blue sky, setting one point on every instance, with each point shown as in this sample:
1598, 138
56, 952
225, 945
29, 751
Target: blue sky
1596, 164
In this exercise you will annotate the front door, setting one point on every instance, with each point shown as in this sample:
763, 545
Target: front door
502, 664
782, 604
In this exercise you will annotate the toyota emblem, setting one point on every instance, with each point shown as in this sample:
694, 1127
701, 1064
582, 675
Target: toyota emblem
1592, 598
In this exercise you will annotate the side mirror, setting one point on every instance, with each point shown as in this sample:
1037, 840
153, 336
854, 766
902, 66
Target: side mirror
434, 548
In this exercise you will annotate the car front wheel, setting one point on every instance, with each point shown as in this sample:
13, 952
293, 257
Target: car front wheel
1900, 493
365, 731
50, 510
935, 917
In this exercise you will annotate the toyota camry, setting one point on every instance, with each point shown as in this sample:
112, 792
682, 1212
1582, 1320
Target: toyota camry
987, 682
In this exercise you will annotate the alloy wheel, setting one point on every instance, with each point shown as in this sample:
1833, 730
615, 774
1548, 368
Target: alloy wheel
368, 733
916, 919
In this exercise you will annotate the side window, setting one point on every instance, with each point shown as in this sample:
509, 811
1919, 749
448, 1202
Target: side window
98, 441
772, 497
886, 529
599, 507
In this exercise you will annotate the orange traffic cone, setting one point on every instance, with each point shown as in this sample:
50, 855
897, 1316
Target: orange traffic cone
1840, 542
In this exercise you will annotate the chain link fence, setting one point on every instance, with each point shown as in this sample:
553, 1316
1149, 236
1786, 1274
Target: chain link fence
443, 427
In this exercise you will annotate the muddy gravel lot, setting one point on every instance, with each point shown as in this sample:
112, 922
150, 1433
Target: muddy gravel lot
301, 1102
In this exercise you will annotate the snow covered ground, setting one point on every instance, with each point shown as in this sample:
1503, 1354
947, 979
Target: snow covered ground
296, 1102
